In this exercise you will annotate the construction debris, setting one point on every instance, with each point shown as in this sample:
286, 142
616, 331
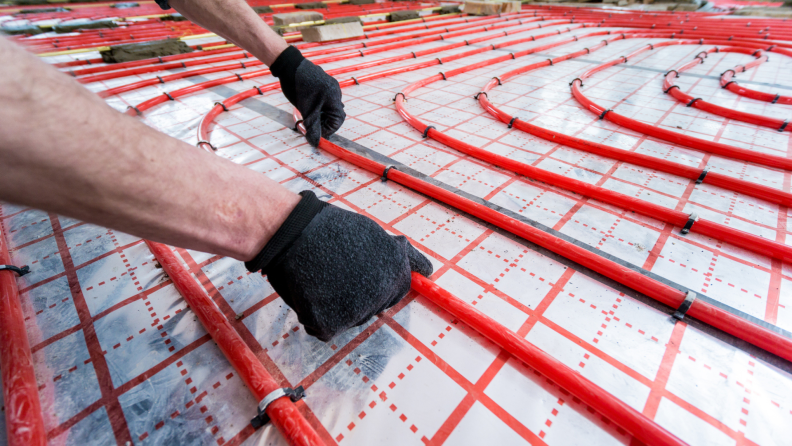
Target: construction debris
398, 16
296, 17
74, 25
145, 50
335, 31
315, 5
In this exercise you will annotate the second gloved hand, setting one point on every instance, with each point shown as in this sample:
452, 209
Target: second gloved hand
315, 94
336, 269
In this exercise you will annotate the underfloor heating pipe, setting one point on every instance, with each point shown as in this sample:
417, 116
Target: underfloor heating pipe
773, 161
282, 412
159, 99
706, 106
728, 83
24, 423
378, 46
716, 179
745, 240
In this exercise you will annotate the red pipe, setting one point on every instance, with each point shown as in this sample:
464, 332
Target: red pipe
743, 239
727, 82
283, 413
24, 423
690, 101
714, 178
637, 424
773, 161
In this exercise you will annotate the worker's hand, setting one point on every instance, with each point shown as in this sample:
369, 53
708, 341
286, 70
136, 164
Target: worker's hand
336, 269
315, 94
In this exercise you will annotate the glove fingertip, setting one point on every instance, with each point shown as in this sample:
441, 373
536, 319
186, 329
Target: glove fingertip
418, 262
313, 131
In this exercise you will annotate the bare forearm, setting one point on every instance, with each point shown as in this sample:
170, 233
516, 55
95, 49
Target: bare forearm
235, 21
65, 151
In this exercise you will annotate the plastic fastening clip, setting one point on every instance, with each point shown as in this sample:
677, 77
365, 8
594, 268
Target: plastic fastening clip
356, 81
498, 79
625, 59
139, 113
692, 101
203, 141
404, 98
385, 172
440, 61
511, 123
426, 131
168, 95
701, 177
160, 79
670, 71
239, 77
21, 271
604, 112
551, 62
680, 312
259, 90
576, 79
480, 93
734, 73
778, 96
783, 126
669, 88
692, 218
444, 76
262, 418
243, 65
651, 47
222, 105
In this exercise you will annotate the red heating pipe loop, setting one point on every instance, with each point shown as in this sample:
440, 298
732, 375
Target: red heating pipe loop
24, 422
714, 178
283, 412
641, 427
690, 101
745, 240
254, 62
774, 98
159, 99
777, 162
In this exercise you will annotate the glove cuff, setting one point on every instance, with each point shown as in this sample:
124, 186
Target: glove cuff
291, 229
287, 62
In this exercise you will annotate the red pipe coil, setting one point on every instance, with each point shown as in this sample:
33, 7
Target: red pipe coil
24, 423
727, 82
690, 101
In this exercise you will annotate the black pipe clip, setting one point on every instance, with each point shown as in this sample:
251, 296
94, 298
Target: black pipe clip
20, 271
734, 73
262, 418
702, 176
139, 113
625, 59
783, 126
692, 101
259, 91
680, 312
778, 96
480, 93
511, 123
669, 88
727, 84
356, 81
670, 71
243, 65
160, 79
651, 47
444, 76
576, 79
239, 77
385, 172
551, 62
440, 61
203, 141
397, 95
498, 79
692, 218
169, 96
604, 112
426, 131
222, 105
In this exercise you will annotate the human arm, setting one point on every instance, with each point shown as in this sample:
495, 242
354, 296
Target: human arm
64, 150
315, 94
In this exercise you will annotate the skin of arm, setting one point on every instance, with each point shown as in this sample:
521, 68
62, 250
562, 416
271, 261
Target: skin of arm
64, 150
235, 21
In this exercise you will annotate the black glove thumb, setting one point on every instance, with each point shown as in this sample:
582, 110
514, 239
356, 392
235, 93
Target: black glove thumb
418, 262
313, 127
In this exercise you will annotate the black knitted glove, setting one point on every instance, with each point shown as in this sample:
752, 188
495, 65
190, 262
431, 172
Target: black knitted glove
315, 94
336, 269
